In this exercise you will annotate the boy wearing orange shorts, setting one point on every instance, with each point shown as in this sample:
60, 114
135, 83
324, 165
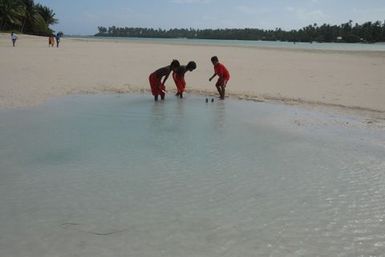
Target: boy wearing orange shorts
178, 76
157, 85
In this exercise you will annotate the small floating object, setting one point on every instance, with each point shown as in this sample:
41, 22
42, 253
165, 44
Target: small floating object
207, 100
212, 100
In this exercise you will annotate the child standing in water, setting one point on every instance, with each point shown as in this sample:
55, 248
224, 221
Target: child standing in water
156, 83
223, 74
178, 76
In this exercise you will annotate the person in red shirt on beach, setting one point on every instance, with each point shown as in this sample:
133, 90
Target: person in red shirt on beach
178, 76
223, 74
155, 78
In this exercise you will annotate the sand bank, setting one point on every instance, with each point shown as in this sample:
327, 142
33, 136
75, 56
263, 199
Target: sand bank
32, 72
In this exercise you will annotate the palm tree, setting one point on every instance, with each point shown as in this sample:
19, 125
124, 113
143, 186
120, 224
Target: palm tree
47, 14
31, 18
11, 13
27, 16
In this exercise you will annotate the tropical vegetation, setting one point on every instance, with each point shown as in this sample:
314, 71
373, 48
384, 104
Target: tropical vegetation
26, 16
370, 32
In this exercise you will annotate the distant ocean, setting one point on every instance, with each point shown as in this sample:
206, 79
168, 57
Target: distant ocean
251, 43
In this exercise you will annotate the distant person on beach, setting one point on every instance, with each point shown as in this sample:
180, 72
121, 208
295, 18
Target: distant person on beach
13, 38
58, 38
223, 74
178, 76
157, 85
51, 40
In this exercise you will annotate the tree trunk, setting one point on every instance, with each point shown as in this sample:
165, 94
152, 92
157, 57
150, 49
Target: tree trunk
22, 26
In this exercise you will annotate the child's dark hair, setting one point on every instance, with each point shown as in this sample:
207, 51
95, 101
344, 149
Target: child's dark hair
191, 65
174, 64
214, 59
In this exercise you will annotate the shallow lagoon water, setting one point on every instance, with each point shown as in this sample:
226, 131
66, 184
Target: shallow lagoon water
255, 43
118, 175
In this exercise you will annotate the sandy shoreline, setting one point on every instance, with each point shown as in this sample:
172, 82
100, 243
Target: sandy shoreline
32, 72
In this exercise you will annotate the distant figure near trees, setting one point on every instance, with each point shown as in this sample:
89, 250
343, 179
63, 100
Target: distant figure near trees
13, 38
157, 85
178, 76
51, 40
58, 38
223, 74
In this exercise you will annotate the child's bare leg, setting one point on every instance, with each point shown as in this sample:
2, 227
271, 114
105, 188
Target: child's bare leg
219, 90
223, 92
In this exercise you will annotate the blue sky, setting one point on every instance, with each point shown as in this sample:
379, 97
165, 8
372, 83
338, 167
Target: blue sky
82, 17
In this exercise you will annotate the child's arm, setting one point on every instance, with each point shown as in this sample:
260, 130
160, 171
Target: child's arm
165, 78
212, 76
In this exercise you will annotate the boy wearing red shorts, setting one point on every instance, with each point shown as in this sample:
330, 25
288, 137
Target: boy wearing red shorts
178, 76
223, 74
157, 85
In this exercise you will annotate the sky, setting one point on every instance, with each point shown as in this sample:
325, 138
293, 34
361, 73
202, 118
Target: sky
82, 17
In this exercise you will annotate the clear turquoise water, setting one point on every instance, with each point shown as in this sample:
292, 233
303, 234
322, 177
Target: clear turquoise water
118, 175
253, 43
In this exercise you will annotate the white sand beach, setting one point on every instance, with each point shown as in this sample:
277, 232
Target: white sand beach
32, 72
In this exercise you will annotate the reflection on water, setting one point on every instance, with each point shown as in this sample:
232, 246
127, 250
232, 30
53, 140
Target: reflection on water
115, 175
219, 115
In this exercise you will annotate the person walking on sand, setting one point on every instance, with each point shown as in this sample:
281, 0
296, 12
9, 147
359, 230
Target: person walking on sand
58, 37
51, 40
13, 38
157, 85
178, 76
223, 74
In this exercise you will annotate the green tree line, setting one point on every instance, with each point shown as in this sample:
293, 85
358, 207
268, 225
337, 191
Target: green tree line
370, 32
26, 16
